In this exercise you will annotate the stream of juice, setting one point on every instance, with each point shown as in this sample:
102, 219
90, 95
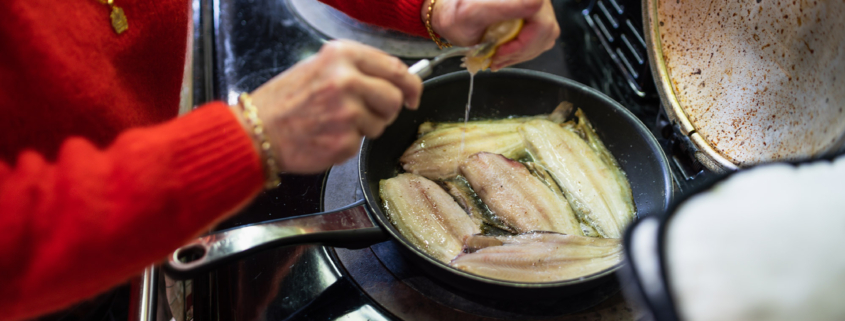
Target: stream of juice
466, 113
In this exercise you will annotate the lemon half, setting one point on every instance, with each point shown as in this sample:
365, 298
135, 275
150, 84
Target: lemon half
499, 34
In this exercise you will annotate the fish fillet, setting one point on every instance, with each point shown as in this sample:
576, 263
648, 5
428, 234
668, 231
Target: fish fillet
624, 187
426, 215
428, 126
519, 199
558, 115
438, 154
589, 183
479, 213
544, 176
539, 257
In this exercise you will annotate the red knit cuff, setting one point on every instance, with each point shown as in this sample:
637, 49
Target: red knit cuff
401, 15
217, 159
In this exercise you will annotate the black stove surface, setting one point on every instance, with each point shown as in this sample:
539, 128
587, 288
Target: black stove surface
239, 44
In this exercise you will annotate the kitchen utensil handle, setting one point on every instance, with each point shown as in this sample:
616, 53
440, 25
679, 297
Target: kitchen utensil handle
348, 227
422, 68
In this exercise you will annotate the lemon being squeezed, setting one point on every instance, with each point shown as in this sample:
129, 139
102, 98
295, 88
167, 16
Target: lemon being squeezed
497, 34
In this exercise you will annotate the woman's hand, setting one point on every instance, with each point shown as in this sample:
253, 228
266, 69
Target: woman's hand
316, 113
463, 22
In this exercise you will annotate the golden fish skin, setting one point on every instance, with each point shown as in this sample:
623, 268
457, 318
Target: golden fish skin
426, 215
465, 197
438, 154
541, 236
624, 187
428, 126
539, 257
558, 115
544, 176
591, 185
516, 197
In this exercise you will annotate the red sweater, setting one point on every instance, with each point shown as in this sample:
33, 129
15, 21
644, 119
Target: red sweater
98, 178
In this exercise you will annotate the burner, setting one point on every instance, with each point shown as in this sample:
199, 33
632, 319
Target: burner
334, 24
408, 293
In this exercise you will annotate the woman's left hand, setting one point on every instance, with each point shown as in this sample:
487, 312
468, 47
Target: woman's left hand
463, 22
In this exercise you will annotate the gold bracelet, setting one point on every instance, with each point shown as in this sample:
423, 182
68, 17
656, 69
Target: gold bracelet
440, 43
271, 168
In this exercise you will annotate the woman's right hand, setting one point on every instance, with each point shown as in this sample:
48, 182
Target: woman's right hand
316, 113
463, 23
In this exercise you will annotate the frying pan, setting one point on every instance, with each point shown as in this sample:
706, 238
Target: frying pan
510, 92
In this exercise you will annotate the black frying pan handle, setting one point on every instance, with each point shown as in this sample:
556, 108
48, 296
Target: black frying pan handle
348, 227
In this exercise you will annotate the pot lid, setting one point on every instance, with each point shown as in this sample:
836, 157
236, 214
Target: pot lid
756, 81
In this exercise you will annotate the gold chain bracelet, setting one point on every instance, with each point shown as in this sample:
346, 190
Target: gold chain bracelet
440, 43
271, 168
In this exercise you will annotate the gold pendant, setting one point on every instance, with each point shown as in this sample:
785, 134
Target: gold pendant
118, 20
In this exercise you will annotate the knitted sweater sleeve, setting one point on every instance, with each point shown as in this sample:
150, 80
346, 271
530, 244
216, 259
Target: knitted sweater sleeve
69, 228
401, 15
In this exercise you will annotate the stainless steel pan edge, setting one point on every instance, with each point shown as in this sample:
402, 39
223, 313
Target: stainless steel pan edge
706, 154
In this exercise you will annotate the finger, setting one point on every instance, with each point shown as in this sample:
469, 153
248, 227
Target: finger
352, 144
366, 123
381, 97
371, 126
530, 44
536, 49
537, 35
396, 72
520, 46
376, 63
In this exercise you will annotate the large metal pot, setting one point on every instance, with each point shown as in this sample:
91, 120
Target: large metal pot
750, 82
501, 94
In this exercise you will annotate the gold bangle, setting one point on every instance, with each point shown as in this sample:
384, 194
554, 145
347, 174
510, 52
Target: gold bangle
440, 43
271, 168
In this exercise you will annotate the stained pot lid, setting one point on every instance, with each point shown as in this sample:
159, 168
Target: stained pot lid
757, 81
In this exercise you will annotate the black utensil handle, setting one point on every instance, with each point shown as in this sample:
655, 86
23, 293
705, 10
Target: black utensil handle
348, 227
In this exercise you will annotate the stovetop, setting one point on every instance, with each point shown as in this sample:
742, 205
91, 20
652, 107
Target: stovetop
239, 44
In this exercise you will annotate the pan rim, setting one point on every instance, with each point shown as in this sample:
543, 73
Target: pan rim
666, 90
380, 217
